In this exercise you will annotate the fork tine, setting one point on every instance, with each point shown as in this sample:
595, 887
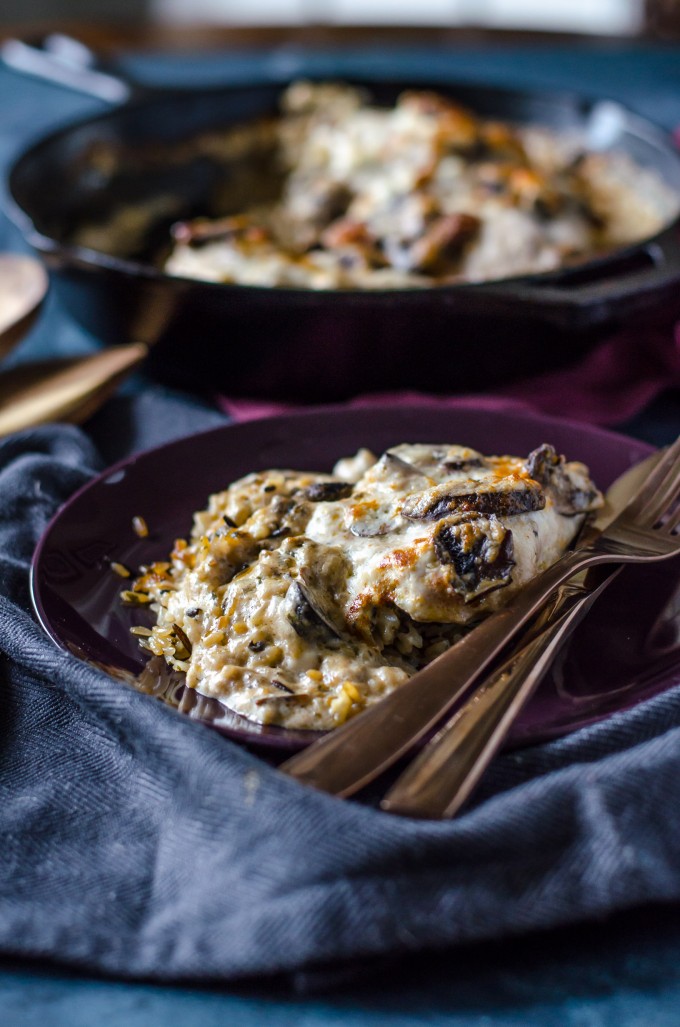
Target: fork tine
665, 472
673, 521
662, 500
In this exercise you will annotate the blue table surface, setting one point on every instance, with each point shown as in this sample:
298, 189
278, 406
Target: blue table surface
625, 971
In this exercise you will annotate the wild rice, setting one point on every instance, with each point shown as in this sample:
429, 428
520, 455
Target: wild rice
140, 526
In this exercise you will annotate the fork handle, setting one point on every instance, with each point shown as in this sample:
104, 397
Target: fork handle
351, 756
442, 776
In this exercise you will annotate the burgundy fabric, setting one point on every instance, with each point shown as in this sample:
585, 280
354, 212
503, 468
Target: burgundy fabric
611, 384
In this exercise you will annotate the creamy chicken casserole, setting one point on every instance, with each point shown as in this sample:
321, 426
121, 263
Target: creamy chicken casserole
423, 193
301, 598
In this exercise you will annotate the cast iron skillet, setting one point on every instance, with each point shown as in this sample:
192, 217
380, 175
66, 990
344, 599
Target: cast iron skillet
302, 344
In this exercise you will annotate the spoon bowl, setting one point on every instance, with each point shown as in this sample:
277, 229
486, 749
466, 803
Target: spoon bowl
23, 287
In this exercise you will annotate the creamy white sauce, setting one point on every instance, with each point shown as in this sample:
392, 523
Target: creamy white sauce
318, 595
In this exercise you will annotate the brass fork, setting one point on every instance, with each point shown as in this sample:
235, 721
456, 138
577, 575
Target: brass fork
443, 776
353, 755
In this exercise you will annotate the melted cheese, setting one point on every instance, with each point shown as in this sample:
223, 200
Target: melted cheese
299, 599
420, 194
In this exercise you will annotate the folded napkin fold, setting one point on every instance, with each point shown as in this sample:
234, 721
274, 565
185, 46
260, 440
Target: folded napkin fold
138, 843
612, 383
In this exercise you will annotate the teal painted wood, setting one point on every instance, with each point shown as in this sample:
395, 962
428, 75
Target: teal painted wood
622, 974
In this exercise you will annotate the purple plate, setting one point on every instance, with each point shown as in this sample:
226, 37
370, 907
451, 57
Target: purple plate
626, 650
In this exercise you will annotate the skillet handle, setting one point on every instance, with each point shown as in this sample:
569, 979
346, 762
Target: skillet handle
599, 291
67, 62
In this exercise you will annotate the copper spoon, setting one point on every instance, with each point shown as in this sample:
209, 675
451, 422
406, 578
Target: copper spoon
70, 389
23, 287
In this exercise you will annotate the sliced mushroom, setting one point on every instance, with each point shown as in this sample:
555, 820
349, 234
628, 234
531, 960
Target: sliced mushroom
287, 516
352, 239
309, 614
202, 231
443, 241
504, 497
328, 491
570, 487
317, 200
393, 468
308, 624
541, 462
481, 552
460, 458
422, 459
367, 520
323, 582
313, 605
463, 465
398, 463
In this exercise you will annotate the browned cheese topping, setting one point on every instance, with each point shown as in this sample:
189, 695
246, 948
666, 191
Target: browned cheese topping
301, 598
419, 194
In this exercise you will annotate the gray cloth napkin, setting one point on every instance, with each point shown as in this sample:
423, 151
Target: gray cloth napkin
141, 844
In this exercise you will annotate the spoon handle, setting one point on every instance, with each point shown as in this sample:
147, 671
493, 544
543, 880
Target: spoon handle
23, 287
63, 390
